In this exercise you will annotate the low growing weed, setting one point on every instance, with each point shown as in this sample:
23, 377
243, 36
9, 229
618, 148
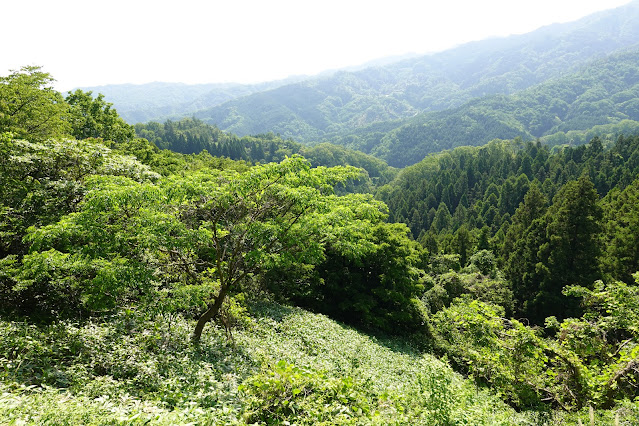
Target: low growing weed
289, 366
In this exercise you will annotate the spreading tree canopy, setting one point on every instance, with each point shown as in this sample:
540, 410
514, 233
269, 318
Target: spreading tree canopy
30, 107
205, 234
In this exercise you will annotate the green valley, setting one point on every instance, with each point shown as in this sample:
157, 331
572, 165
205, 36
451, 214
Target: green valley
449, 239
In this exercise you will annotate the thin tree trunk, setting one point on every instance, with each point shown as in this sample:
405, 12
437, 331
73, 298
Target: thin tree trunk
210, 313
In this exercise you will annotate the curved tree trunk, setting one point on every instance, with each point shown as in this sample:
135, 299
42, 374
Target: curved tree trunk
210, 313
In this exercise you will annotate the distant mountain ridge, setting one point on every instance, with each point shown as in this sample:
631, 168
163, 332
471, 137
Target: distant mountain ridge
322, 108
387, 108
137, 103
603, 93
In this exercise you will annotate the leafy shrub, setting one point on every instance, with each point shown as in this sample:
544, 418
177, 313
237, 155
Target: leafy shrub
485, 262
450, 285
504, 354
592, 360
285, 391
367, 278
443, 263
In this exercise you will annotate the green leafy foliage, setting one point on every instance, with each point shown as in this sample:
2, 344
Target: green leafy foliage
286, 391
131, 242
444, 288
45, 180
591, 361
368, 277
94, 118
272, 214
29, 106
505, 354
606, 338
103, 249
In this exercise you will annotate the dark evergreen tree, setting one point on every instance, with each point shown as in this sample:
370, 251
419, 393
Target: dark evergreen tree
462, 244
570, 253
621, 213
442, 218
521, 245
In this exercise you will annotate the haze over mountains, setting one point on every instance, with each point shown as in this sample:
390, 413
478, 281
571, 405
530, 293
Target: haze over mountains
152, 101
547, 82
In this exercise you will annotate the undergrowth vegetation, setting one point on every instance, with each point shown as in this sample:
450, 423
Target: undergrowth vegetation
285, 365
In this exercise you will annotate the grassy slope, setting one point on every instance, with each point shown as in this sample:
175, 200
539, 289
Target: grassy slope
128, 371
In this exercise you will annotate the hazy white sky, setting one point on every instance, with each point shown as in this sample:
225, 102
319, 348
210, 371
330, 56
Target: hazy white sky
86, 43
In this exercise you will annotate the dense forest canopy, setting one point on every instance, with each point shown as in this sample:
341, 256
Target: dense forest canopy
173, 267
190, 136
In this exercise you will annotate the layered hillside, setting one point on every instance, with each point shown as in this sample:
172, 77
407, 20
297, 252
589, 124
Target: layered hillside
603, 93
323, 108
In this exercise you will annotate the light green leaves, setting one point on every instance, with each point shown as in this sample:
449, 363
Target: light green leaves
29, 107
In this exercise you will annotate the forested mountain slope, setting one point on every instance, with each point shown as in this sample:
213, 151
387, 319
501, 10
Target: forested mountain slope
479, 187
191, 136
471, 198
322, 108
602, 93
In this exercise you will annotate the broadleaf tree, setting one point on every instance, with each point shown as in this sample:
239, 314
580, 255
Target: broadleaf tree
93, 117
273, 214
30, 107
132, 242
